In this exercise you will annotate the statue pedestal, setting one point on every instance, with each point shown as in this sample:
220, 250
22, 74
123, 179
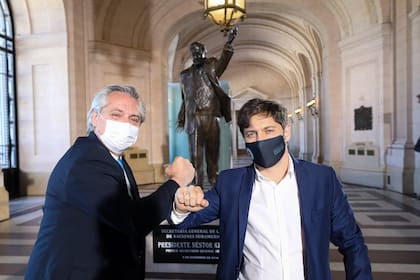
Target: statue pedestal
362, 166
400, 168
4, 200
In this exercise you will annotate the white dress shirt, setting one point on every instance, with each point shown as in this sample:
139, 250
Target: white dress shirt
273, 239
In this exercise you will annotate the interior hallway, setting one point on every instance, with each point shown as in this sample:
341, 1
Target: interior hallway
389, 221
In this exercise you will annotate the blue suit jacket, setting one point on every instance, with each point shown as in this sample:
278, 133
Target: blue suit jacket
91, 229
325, 216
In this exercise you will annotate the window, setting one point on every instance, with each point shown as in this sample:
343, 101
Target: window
8, 152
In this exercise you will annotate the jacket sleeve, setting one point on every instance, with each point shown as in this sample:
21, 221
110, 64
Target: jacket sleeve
346, 234
208, 214
224, 60
101, 194
155, 208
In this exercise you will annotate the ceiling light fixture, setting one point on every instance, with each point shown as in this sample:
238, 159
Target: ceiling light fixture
225, 13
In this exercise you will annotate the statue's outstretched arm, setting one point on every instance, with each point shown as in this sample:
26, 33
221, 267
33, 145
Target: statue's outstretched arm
227, 53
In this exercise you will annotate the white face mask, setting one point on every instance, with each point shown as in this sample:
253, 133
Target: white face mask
119, 136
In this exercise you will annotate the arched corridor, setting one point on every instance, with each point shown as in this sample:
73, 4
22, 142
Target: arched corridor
344, 57
347, 71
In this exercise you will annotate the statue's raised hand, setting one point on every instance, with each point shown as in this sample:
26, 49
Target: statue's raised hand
232, 34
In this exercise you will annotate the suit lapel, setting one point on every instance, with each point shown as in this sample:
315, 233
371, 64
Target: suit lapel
305, 204
303, 179
133, 185
245, 193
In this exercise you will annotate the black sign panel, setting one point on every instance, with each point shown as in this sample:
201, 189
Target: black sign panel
363, 118
194, 245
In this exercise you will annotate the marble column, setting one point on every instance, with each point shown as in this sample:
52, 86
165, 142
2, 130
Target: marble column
400, 155
414, 17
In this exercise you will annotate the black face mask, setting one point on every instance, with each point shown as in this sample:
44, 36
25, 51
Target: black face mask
267, 153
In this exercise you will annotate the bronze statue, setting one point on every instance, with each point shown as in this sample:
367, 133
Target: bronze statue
203, 102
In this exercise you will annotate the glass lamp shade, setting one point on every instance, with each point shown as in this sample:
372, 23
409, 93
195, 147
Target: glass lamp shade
225, 13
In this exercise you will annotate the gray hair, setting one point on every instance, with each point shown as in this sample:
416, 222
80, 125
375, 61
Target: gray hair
101, 100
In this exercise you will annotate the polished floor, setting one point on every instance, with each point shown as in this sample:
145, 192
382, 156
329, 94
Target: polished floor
390, 223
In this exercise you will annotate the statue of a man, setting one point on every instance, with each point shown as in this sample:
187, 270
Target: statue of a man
203, 102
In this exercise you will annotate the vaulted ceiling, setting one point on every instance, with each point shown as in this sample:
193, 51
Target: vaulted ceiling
285, 41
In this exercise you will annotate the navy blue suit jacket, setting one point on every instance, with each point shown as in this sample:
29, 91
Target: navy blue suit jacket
325, 216
91, 228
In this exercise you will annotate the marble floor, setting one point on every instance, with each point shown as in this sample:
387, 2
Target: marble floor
390, 223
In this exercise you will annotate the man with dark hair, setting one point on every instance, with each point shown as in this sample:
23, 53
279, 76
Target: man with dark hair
277, 216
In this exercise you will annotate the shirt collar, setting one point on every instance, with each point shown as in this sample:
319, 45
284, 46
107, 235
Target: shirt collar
290, 171
115, 157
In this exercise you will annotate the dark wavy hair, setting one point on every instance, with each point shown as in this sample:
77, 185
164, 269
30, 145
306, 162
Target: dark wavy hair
261, 106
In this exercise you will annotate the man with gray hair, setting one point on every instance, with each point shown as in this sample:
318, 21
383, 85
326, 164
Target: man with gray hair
95, 223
